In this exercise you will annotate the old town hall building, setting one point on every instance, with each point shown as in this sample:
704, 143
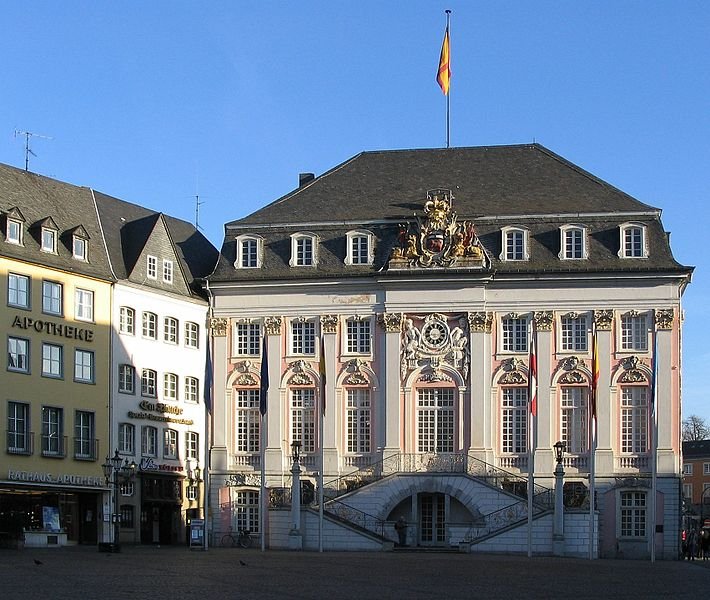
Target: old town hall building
399, 293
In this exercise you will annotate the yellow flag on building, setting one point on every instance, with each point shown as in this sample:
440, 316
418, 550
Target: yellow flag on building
443, 76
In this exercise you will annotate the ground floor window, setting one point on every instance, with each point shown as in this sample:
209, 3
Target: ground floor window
246, 510
633, 514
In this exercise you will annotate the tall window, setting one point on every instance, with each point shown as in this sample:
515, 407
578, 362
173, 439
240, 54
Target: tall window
18, 290
574, 333
515, 334
246, 510
148, 383
152, 267
170, 386
633, 514
514, 244
18, 355
192, 389
150, 326
634, 332
170, 443
632, 241
303, 337
303, 423
358, 336
248, 250
126, 379
304, 251
574, 419
79, 246
51, 360
170, 330
435, 420
52, 431
246, 420
49, 240
168, 271
127, 516
192, 332
192, 445
359, 420
84, 366
246, 339
149, 441
573, 242
515, 419
14, 232
84, 446
126, 438
84, 305
18, 428
51, 298
358, 250
127, 320
634, 419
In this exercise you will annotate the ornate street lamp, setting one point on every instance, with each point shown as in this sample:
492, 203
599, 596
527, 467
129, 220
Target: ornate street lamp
558, 531
116, 472
295, 539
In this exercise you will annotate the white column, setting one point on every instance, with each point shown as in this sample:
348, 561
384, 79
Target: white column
481, 418
545, 430
273, 453
606, 424
668, 386
332, 409
220, 399
389, 370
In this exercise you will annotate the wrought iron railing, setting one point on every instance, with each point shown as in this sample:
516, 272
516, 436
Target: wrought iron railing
20, 442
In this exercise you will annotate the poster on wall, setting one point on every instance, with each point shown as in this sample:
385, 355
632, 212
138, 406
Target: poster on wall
50, 518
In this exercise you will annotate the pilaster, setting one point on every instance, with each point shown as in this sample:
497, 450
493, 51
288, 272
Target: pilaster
545, 422
606, 421
273, 453
329, 327
390, 416
479, 382
667, 402
220, 394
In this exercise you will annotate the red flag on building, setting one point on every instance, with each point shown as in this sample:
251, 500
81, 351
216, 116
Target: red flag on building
595, 377
443, 75
532, 375
321, 369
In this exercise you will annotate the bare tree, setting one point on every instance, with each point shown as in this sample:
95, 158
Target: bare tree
695, 428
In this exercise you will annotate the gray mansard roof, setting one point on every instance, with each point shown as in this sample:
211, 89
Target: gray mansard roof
522, 185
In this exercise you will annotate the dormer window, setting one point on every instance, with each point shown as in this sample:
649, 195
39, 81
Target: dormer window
515, 244
13, 234
152, 267
303, 250
79, 248
249, 251
168, 271
573, 242
49, 240
633, 243
359, 248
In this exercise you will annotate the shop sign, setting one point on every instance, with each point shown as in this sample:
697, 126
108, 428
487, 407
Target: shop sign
148, 464
160, 407
37, 477
51, 328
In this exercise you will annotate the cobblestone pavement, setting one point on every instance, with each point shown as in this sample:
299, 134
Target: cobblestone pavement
83, 573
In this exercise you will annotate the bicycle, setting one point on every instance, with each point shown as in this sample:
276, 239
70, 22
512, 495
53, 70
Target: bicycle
243, 539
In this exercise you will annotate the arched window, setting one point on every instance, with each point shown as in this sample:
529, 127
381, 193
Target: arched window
633, 416
303, 418
573, 242
436, 419
574, 418
359, 420
515, 244
632, 241
246, 421
249, 252
514, 419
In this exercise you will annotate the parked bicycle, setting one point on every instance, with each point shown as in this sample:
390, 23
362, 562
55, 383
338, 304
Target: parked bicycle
242, 538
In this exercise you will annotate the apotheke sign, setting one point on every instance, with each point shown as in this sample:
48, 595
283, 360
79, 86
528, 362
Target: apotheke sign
52, 328
37, 477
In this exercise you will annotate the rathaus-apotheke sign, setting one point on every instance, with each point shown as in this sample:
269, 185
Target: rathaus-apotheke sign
37, 477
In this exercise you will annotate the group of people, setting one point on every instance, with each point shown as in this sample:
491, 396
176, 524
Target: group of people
697, 544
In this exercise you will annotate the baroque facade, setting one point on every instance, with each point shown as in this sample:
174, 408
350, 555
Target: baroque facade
398, 293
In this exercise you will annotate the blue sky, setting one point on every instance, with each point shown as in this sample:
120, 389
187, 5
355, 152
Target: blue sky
157, 101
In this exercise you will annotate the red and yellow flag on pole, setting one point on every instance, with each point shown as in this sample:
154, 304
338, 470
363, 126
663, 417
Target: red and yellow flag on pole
443, 76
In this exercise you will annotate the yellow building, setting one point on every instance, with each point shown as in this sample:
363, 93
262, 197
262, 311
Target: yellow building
55, 298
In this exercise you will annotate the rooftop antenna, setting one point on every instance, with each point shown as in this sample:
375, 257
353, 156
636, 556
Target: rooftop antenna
28, 150
197, 198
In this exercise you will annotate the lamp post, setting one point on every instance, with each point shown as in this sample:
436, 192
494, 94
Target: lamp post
558, 531
195, 523
295, 541
117, 470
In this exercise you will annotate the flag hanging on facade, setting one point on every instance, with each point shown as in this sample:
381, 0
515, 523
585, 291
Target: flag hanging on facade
654, 375
209, 371
595, 377
443, 75
532, 375
264, 386
321, 370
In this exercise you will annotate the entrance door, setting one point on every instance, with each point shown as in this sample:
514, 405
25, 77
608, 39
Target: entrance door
432, 519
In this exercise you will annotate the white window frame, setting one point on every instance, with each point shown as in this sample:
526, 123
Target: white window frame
21, 296
84, 305
149, 383
52, 436
247, 420
149, 325
511, 254
126, 379
303, 418
706, 468
632, 247
574, 419
192, 445
51, 303
514, 420
84, 435
127, 320
12, 226
18, 351
512, 339
84, 366
18, 427
170, 330
250, 250
192, 335
246, 339
687, 468
149, 441
52, 360
48, 240
302, 339
574, 333
354, 254
301, 256
168, 271
170, 386
359, 420
436, 419
151, 267
127, 439
688, 491
633, 419
80, 248
573, 242
633, 510
192, 389
358, 336
634, 331
170, 444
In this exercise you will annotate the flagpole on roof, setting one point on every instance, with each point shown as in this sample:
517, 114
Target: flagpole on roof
443, 76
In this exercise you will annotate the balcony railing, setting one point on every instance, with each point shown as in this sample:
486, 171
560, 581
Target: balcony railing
54, 446
637, 461
86, 449
20, 442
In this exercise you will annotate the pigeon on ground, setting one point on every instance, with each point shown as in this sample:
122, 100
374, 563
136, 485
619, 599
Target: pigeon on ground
37, 562
241, 562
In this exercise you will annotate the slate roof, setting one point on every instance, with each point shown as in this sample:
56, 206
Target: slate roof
525, 185
44, 200
697, 449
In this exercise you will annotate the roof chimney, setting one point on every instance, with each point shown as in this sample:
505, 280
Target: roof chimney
304, 178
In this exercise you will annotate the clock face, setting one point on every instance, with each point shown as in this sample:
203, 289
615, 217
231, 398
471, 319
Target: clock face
435, 334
